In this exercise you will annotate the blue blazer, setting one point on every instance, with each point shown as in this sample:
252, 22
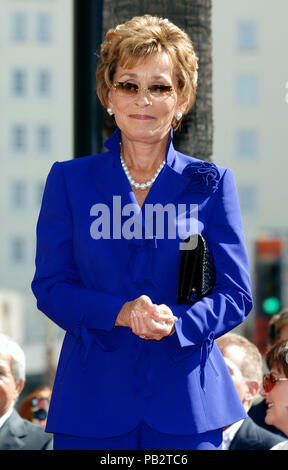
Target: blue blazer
109, 379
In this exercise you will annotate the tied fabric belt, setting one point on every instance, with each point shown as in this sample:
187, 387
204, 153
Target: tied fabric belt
142, 365
206, 348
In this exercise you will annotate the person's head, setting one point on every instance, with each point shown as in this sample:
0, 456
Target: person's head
147, 51
34, 406
278, 328
12, 372
244, 362
275, 386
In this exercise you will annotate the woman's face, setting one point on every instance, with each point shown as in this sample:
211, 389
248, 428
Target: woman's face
277, 402
145, 118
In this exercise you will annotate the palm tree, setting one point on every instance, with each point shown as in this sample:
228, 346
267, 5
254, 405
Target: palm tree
194, 16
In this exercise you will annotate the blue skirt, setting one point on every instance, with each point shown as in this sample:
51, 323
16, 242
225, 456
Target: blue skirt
142, 438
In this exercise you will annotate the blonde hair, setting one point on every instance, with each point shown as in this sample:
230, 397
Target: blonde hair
9, 347
137, 40
252, 365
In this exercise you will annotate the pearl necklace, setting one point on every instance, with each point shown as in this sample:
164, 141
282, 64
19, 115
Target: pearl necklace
140, 185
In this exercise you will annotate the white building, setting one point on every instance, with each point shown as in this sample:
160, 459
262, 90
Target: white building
250, 76
11, 314
36, 119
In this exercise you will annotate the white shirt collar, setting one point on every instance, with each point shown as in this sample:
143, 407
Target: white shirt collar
4, 417
229, 434
280, 446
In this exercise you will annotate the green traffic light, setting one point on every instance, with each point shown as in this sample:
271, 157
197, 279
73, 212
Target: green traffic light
271, 305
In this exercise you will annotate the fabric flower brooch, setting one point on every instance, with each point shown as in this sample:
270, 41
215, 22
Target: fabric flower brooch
204, 176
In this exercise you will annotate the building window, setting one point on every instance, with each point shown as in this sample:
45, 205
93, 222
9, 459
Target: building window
19, 139
5, 314
247, 36
43, 83
248, 199
44, 27
43, 139
18, 194
246, 144
19, 83
18, 250
18, 26
247, 90
39, 192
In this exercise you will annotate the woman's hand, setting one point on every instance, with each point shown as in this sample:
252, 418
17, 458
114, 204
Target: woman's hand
147, 320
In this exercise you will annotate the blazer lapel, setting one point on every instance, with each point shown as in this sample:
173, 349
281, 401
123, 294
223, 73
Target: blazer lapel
13, 432
110, 178
169, 184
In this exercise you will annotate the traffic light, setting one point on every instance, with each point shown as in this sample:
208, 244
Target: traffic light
268, 287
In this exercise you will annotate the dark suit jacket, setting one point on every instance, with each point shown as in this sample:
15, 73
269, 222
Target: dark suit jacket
250, 436
19, 434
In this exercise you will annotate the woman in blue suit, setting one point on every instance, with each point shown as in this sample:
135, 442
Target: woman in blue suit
137, 370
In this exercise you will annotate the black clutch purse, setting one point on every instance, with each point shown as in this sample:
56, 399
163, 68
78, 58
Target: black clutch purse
197, 275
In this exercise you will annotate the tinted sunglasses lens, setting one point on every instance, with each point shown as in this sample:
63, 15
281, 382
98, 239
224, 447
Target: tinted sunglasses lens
127, 88
159, 90
268, 382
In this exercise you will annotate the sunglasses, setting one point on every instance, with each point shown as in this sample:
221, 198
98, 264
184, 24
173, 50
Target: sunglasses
269, 380
128, 89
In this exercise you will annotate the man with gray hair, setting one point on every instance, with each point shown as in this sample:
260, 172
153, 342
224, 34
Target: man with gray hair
16, 433
244, 362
